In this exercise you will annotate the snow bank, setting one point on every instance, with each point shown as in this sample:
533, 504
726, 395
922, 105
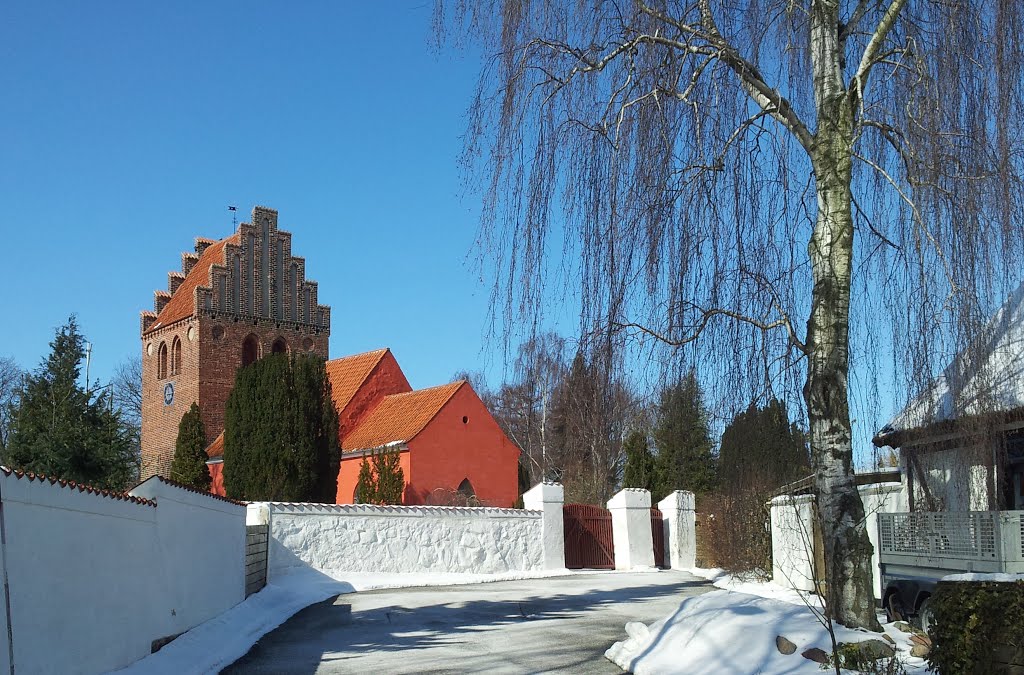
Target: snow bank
733, 630
975, 576
221, 641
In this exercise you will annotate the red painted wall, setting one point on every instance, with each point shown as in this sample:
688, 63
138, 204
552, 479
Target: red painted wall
449, 450
348, 476
217, 478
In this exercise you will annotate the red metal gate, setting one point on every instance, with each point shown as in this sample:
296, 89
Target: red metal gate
588, 537
658, 535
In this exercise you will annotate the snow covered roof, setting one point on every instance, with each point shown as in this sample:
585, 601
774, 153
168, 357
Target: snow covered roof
986, 378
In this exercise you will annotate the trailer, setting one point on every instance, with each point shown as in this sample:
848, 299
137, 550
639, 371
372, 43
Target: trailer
917, 549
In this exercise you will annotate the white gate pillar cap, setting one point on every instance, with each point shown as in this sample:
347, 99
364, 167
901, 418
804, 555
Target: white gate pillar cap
544, 493
631, 498
679, 500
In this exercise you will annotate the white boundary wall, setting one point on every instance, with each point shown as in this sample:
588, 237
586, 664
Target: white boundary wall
792, 525
401, 539
94, 579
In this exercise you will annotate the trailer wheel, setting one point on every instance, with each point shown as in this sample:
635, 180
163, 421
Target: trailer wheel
925, 618
894, 608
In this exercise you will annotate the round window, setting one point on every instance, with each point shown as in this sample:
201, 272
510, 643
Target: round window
218, 332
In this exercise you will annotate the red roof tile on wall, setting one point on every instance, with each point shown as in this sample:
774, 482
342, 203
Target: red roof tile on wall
399, 417
182, 303
72, 485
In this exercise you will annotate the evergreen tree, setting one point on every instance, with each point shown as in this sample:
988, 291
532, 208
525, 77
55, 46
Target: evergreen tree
685, 458
762, 450
639, 471
61, 429
281, 432
366, 485
381, 482
189, 465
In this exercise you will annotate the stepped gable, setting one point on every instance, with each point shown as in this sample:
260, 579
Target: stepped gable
72, 485
249, 275
399, 417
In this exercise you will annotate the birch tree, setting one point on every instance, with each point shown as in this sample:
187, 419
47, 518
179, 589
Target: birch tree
771, 182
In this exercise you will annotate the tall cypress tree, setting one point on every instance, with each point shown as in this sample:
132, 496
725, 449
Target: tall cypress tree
62, 429
281, 432
685, 458
639, 470
761, 449
189, 465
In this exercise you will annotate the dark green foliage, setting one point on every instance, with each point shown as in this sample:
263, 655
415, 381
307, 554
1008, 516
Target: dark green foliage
762, 450
61, 429
685, 458
976, 624
381, 480
189, 465
281, 432
639, 471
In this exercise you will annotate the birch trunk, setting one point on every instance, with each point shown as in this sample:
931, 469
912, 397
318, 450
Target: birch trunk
847, 548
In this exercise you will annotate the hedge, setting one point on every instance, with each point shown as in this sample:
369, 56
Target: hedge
977, 626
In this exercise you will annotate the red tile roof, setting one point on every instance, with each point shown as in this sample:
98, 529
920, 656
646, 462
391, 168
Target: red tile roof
72, 485
215, 450
182, 303
348, 373
189, 488
399, 417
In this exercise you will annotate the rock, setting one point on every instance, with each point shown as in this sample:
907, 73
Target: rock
784, 646
876, 649
922, 640
904, 626
888, 638
816, 655
920, 651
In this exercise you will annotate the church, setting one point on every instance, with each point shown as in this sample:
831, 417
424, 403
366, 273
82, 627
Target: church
246, 296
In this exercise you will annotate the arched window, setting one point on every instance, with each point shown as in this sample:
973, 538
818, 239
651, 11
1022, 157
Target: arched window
466, 489
280, 346
176, 356
250, 349
161, 361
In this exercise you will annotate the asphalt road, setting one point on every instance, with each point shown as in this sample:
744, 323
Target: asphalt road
554, 625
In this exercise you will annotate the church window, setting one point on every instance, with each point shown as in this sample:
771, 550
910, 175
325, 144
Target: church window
176, 356
280, 346
250, 350
161, 361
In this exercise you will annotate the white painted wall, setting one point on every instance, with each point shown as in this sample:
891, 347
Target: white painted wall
680, 523
549, 498
364, 538
880, 498
957, 478
95, 579
792, 537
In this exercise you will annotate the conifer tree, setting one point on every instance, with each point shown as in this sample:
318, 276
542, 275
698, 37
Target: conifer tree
685, 458
189, 465
639, 470
281, 432
390, 477
366, 484
60, 429
762, 450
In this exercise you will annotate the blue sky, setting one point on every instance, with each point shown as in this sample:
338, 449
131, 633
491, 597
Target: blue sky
128, 128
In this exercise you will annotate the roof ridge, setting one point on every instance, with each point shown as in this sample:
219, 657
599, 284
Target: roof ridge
382, 350
455, 385
189, 488
81, 487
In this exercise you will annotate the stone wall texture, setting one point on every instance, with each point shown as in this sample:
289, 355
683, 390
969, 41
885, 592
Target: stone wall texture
404, 539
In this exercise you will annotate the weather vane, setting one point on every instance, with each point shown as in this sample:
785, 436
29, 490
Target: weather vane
234, 218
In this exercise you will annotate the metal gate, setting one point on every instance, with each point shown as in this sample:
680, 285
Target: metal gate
588, 537
658, 535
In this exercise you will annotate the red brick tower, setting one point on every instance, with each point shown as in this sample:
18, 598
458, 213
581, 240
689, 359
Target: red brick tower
233, 301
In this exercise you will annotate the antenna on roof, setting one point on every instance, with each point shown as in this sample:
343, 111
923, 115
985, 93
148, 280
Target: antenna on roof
234, 218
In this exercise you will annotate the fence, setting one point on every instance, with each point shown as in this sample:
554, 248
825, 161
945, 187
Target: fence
257, 539
983, 541
96, 580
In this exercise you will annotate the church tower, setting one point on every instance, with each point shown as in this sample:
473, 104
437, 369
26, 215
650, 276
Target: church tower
234, 301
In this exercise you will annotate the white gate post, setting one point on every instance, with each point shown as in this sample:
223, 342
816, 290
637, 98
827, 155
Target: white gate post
680, 522
548, 498
631, 529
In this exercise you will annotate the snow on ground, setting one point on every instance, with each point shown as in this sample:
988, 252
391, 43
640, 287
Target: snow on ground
733, 631
221, 641
976, 576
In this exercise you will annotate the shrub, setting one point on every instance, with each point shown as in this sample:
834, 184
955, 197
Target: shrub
735, 532
973, 622
189, 464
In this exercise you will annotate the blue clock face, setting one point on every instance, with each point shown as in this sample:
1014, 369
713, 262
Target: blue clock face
169, 393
